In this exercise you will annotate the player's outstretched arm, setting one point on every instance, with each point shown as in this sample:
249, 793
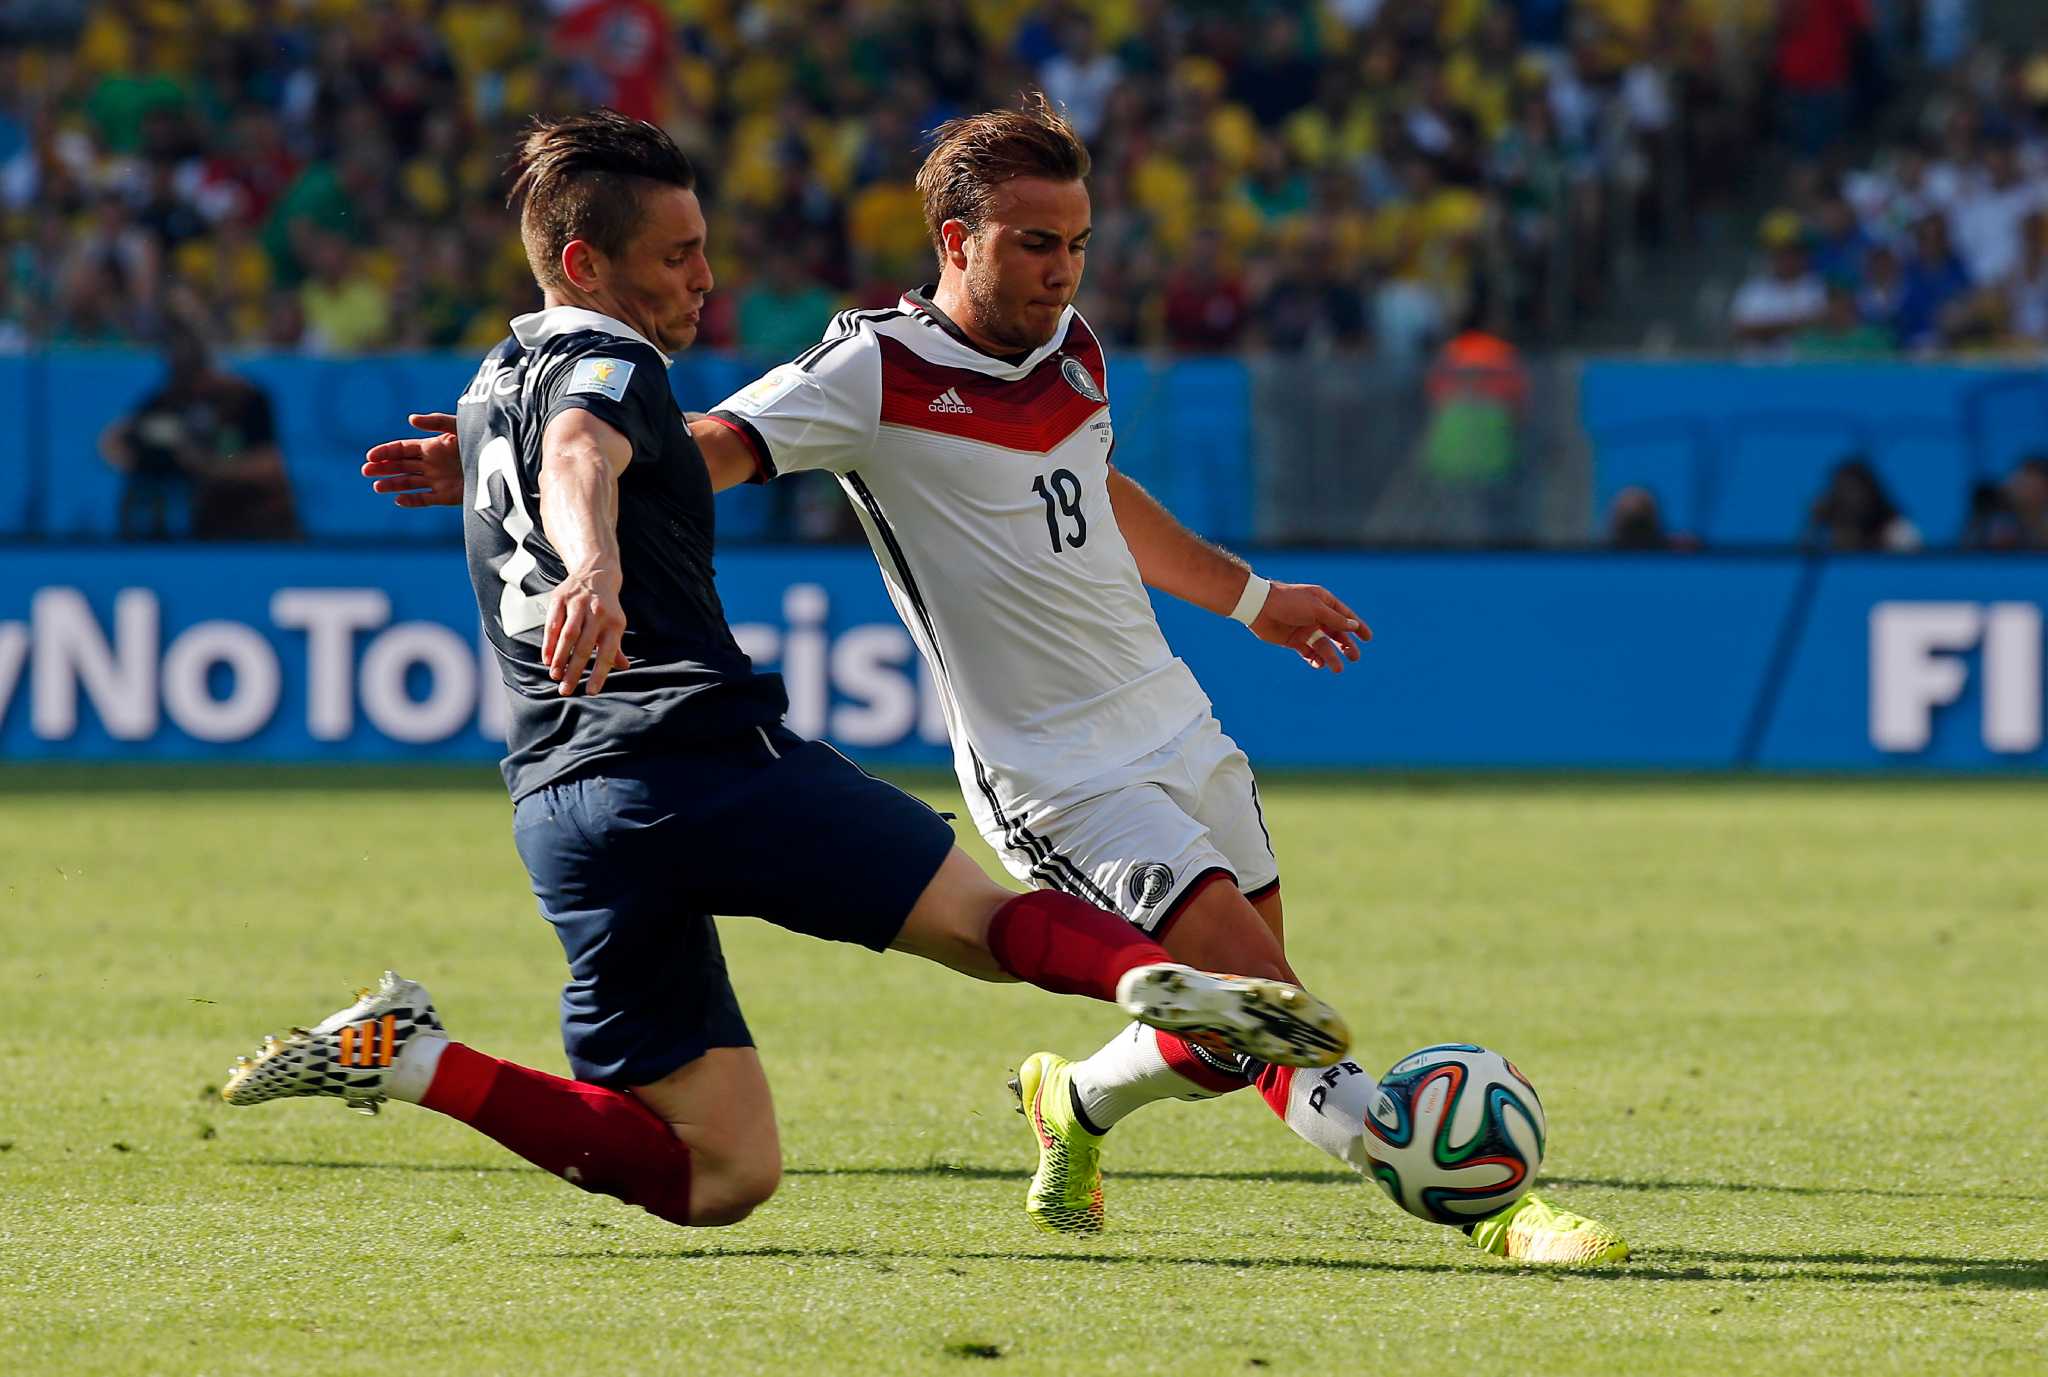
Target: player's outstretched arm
1306, 619
581, 458
419, 472
726, 452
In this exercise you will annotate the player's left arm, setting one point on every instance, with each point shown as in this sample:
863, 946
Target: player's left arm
1307, 619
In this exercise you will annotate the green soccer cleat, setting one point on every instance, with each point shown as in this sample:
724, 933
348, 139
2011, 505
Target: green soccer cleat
1531, 1231
1066, 1190
348, 1055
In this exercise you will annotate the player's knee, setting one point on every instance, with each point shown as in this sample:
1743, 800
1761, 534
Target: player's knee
733, 1191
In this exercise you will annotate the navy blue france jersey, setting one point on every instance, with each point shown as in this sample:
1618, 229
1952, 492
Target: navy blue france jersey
689, 681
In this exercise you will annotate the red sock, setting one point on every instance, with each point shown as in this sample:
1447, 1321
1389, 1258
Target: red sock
1209, 1072
602, 1140
1059, 943
1276, 1085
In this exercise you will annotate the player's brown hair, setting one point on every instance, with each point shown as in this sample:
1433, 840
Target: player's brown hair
973, 155
584, 177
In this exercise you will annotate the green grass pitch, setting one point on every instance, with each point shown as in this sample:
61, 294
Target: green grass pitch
1792, 1037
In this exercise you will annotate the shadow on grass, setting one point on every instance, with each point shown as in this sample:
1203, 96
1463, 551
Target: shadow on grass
1976, 1274
1657, 1264
972, 1172
975, 1173
462, 1168
1675, 1187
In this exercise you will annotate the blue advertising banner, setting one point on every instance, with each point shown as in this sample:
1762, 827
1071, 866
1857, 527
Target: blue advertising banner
1596, 661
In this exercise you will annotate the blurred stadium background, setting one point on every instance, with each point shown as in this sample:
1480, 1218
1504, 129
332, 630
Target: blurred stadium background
1661, 377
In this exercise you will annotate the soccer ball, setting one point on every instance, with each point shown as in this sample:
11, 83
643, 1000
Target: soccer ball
1455, 1133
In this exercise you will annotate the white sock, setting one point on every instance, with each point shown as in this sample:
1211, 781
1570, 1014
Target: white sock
1328, 1108
1128, 1073
413, 1071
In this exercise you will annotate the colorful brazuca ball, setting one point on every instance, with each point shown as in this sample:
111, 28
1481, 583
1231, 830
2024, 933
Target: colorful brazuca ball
1455, 1134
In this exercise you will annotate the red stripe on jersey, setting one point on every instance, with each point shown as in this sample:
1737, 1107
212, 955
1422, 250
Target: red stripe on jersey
1033, 414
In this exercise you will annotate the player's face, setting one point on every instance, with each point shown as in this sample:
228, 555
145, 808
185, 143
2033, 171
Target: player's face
660, 281
1024, 267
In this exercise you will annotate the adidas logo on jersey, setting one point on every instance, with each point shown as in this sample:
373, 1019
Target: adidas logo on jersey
949, 400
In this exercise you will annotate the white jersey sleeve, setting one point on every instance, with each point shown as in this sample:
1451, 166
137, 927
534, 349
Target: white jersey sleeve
818, 411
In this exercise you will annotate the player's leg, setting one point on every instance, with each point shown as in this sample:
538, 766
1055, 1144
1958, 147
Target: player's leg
1266, 902
719, 1107
648, 1005
1328, 1107
390, 1045
825, 849
1137, 843
1145, 844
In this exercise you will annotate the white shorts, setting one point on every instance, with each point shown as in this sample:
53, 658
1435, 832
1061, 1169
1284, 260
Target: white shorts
1141, 839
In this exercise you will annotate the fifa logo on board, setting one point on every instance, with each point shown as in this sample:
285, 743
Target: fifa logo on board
1917, 667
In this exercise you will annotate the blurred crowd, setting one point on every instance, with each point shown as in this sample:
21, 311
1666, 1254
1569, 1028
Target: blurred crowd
1937, 242
326, 175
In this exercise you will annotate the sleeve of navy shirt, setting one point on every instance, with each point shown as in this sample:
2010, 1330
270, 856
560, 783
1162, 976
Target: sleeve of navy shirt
620, 382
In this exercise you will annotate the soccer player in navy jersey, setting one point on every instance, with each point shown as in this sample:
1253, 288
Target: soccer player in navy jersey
653, 780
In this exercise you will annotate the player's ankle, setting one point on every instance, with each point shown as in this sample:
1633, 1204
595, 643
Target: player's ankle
412, 1072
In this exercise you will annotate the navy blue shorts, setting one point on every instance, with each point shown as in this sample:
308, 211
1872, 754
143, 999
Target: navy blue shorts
630, 864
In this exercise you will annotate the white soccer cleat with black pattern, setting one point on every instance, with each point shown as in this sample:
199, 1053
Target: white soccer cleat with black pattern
348, 1055
1269, 1020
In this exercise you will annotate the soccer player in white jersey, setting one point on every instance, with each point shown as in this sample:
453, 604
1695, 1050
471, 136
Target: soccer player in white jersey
970, 427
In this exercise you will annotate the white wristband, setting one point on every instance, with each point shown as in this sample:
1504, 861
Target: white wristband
1252, 601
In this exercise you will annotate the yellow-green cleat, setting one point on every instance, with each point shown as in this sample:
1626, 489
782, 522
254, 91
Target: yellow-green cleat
1531, 1231
1066, 1191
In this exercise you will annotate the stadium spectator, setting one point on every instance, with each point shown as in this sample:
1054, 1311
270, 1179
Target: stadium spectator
1478, 389
1312, 305
1882, 292
2026, 491
1839, 242
1784, 298
1988, 222
1815, 65
2012, 515
1991, 523
2026, 292
1934, 288
1636, 522
1842, 332
1207, 306
621, 54
1080, 77
1855, 513
346, 309
782, 311
206, 437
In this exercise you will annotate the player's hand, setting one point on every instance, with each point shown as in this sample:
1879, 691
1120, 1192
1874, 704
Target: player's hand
420, 473
1311, 622
585, 625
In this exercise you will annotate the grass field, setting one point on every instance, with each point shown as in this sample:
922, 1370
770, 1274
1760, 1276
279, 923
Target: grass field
1793, 1040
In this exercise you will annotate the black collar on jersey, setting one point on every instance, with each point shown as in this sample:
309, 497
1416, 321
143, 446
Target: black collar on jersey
921, 297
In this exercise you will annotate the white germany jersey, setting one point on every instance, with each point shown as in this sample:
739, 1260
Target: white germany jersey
983, 486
